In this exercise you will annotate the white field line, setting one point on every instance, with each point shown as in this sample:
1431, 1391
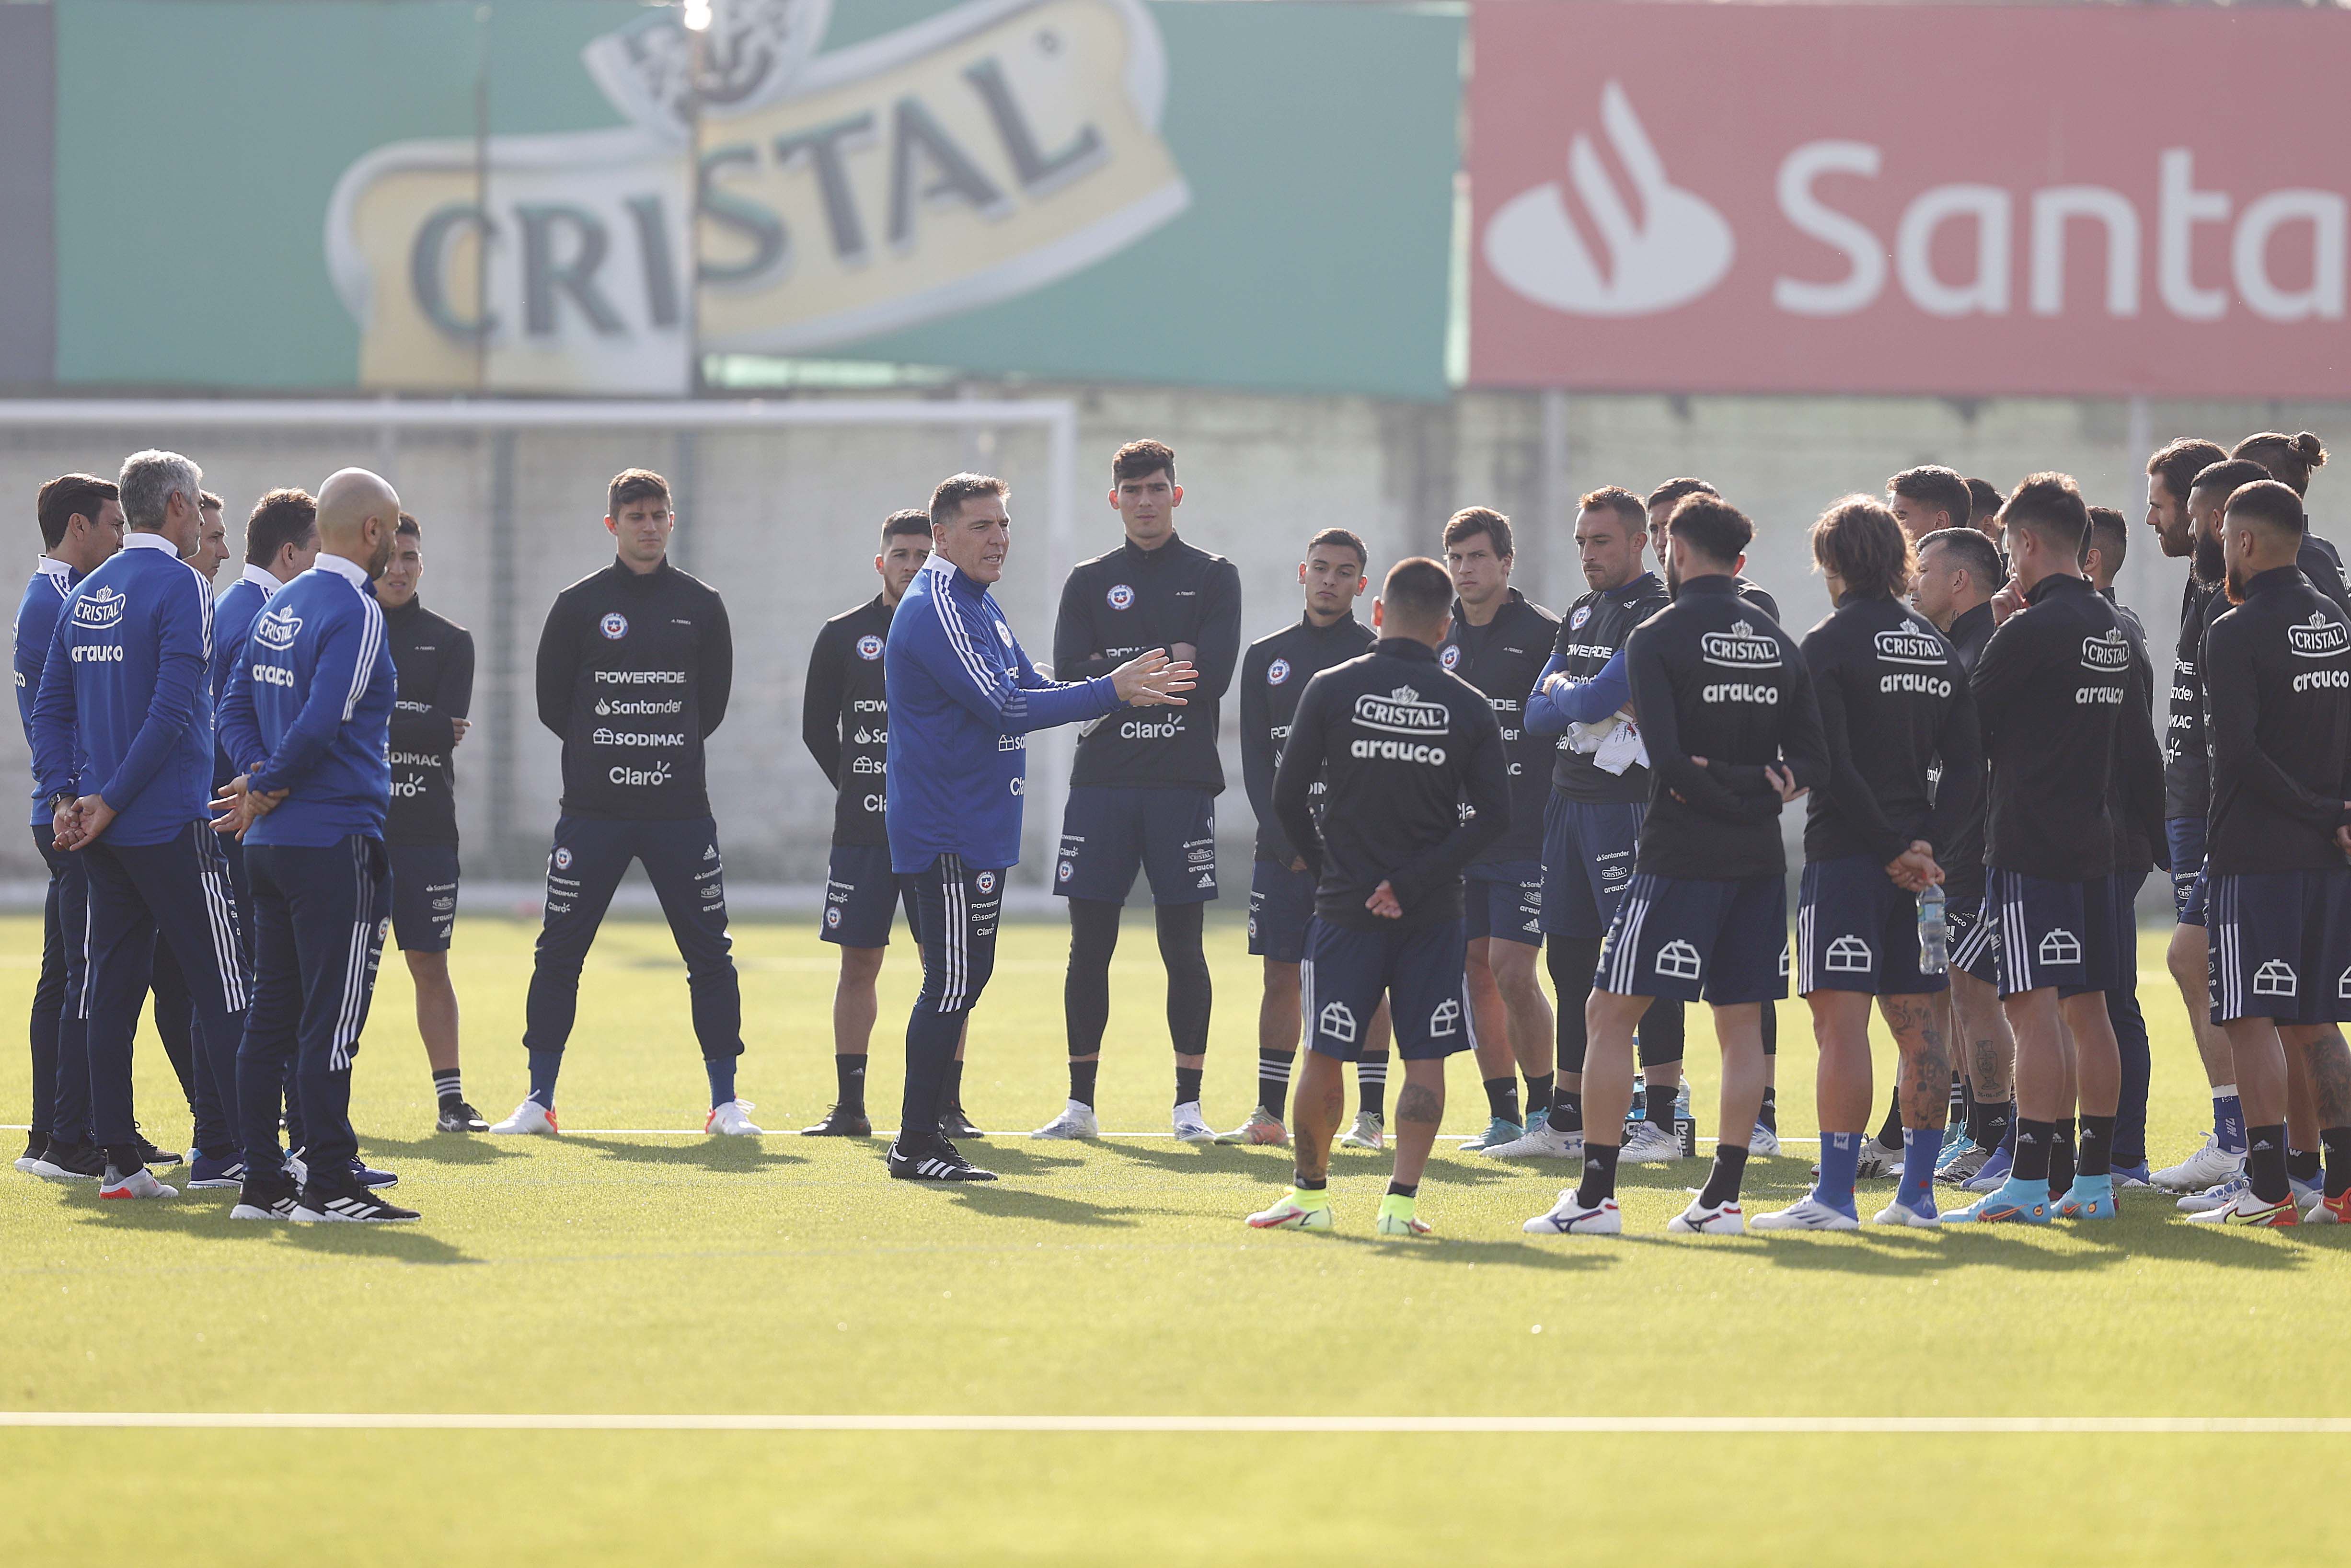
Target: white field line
1815, 1425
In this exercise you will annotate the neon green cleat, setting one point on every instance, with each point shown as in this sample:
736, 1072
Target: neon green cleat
1397, 1216
1295, 1211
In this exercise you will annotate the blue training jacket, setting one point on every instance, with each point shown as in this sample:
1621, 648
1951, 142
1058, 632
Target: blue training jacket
122, 711
36, 622
963, 699
309, 709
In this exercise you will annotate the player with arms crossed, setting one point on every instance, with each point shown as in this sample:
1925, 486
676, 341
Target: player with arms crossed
1401, 746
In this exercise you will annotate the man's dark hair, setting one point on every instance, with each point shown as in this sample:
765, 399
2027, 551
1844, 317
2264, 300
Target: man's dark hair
1139, 459
1471, 522
2109, 535
1618, 499
946, 501
2049, 505
2288, 459
2230, 476
1713, 526
1417, 589
1860, 542
208, 502
1671, 492
1343, 536
1975, 551
2181, 459
1932, 484
635, 485
2272, 504
69, 496
279, 519
906, 520
1983, 502
409, 525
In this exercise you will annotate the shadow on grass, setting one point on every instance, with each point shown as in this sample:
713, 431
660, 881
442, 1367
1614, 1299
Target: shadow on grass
1009, 1158
441, 1149
194, 1217
1026, 1203
1571, 1257
696, 1154
1191, 1158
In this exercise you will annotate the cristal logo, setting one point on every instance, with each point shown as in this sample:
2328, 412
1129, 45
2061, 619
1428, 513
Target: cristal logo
99, 607
277, 627
2108, 651
2317, 638
1401, 712
1910, 647
1670, 251
1740, 648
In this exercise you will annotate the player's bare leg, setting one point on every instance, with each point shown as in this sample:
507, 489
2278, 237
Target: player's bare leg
1320, 1100
1420, 1108
1370, 1130
1589, 1207
2223, 1154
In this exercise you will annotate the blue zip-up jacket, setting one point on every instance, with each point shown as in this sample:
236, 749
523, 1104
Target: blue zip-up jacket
36, 622
232, 616
309, 709
963, 699
1583, 701
124, 712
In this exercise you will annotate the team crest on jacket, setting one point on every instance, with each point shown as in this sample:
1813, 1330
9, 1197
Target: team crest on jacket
869, 646
1740, 648
1583, 613
1452, 657
562, 860
614, 626
985, 882
1277, 672
1120, 596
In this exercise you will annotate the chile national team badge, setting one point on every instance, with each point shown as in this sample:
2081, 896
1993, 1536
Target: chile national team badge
1120, 596
869, 646
1277, 672
614, 626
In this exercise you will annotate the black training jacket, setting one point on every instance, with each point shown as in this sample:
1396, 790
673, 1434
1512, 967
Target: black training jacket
2049, 688
435, 660
2278, 672
845, 719
1131, 601
1892, 699
1755, 593
1402, 748
1502, 659
1274, 672
1963, 868
633, 674
1594, 627
1714, 677
2186, 762
2139, 837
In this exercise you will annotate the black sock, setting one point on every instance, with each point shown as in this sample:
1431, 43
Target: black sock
1187, 1085
1997, 1117
849, 1075
1304, 1184
1502, 1097
448, 1087
1273, 1081
1658, 1098
1372, 1083
1081, 1083
1404, 1189
1538, 1097
1770, 1114
1889, 1132
2303, 1165
2060, 1155
1722, 1182
2032, 1141
2265, 1159
2097, 1147
1599, 1174
2338, 1141
1567, 1110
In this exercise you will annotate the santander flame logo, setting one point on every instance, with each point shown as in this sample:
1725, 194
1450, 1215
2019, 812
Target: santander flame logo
1665, 247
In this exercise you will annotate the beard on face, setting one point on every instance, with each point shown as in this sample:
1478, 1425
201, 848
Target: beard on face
2209, 562
1673, 577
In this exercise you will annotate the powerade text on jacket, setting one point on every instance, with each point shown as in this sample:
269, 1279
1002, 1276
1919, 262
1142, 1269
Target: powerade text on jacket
963, 700
1504, 659
36, 624
435, 657
845, 719
1274, 673
1129, 601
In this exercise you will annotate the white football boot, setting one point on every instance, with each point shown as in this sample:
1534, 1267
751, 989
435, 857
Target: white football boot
1076, 1121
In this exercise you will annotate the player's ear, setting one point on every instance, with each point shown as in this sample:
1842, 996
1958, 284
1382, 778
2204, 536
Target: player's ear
1301, 572
1113, 498
610, 526
1375, 611
1175, 494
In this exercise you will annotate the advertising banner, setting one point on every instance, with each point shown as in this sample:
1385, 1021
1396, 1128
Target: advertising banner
2092, 200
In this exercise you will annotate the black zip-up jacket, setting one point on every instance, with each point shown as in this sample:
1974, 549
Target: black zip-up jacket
2324, 566
1963, 868
845, 719
435, 660
2187, 763
2050, 687
1755, 593
2140, 840
1892, 699
1274, 672
634, 673
1502, 659
1594, 627
1714, 677
1402, 746
1128, 603
2278, 670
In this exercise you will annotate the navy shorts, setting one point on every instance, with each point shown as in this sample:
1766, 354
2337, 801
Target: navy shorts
1587, 862
2186, 835
2060, 934
1684, 940
1108, 834
423, 897
1975, 942
861, 896
2282, 945
1348, 970
1504, 900
1855, 931
1281, 901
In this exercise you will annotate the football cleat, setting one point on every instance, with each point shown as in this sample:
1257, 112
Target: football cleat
70, 1161
953, 1123
151, 1156
1262, 1130
1399, 1216
2090, 1197
1076, 1121
841, 1121
134, 1184
1370, 1132
1702, 1219
36, 1146
530, 1116
2016, 1203
1808, 1213
1569, 1217
731, 1120
1995, 1174
2132, 1175
1960, 1167
1900, 1213
1543, 1143
2208, 1166
343, 1205
1295, 1211
1647, 1144
1499, 1131
2221, 1195
1877, 1163
212, 1171
264, 1197
1764, 1141
1189, 1126
2303, 1191
2328, 1211
456, 1116
2247, 1209
934, 1160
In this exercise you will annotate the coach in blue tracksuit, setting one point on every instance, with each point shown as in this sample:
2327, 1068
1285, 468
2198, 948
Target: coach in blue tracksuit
122, 744
963, 699
306, 722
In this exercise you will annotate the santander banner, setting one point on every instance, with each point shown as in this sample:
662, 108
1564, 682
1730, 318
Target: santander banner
2094, 201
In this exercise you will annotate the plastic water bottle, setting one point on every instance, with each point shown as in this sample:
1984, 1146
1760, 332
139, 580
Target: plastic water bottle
1934, 932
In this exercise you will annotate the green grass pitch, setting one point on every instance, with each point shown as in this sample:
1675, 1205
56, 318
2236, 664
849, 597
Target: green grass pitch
632, 1272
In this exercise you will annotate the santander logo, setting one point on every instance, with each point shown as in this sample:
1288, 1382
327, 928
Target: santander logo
1664, 248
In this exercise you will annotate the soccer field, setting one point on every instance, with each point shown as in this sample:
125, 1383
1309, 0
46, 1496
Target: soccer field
637, 1271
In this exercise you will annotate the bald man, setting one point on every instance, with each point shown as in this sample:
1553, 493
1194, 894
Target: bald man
306, 722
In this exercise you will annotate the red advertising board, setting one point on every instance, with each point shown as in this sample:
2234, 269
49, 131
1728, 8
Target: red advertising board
2096, 199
